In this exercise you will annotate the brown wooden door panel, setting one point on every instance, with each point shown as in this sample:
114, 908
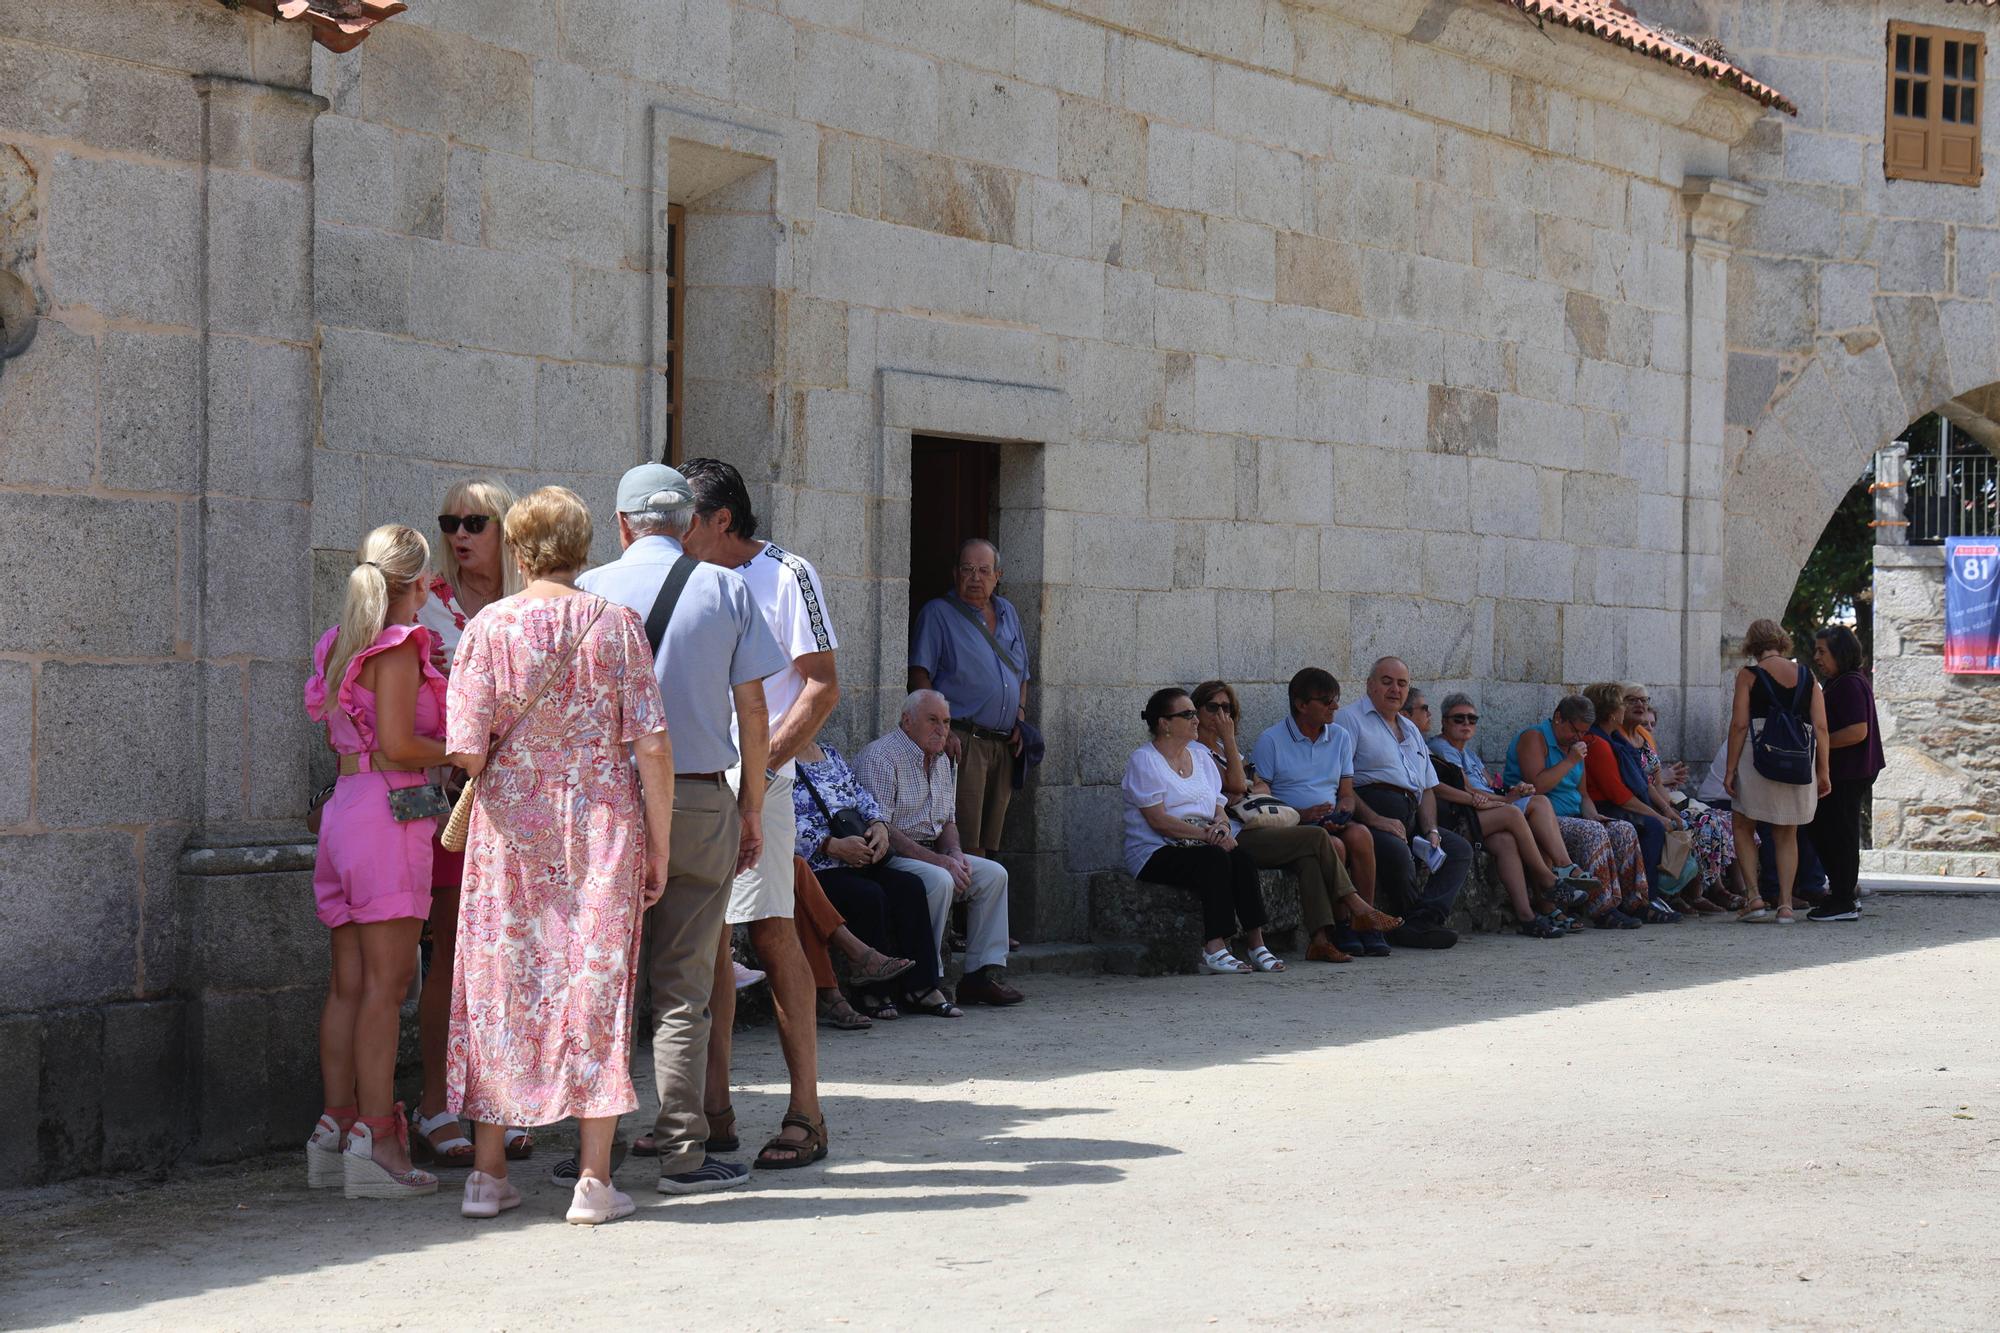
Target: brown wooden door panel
952, 485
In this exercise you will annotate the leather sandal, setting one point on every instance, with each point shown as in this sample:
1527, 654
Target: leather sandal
431, 1145
880, 968
804, 1152
839, 1015
1367, 918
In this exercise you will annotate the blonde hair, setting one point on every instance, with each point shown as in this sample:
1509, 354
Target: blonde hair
1766, 636
388, 560
493, 499
550, 531
1607, 697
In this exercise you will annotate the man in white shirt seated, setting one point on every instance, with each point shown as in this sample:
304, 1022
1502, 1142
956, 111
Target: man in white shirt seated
916, 784
1393, 777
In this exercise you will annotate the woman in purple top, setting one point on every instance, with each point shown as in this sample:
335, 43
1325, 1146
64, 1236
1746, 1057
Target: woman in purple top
1855, 737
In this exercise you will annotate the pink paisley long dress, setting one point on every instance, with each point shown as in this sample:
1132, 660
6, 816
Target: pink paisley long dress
555, 861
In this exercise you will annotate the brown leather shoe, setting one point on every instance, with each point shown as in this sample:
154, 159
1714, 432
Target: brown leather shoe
1367, 918
980, 988
1324, 950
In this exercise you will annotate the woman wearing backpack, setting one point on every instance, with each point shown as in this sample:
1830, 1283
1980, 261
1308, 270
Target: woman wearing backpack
1778, 758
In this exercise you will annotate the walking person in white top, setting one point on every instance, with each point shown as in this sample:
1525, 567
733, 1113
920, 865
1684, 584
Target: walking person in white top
798, 700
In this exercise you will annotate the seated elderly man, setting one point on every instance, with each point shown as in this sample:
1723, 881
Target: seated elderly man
916, 784
1393, 778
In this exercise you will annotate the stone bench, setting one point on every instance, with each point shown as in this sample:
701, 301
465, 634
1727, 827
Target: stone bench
1156, 929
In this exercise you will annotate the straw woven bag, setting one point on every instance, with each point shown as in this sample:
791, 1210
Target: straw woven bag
460, 823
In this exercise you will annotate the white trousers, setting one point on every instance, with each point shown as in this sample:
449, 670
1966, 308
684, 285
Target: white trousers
986, 911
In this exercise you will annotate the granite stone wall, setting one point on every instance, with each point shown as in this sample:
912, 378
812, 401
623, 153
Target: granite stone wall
1937, 804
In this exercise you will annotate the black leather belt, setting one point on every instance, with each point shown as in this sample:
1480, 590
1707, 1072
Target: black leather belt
983, 733
717, 778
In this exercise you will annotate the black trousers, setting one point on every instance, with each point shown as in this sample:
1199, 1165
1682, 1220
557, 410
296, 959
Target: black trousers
1396, 866
1836, 835
887, 910
1652, 832
1226, 881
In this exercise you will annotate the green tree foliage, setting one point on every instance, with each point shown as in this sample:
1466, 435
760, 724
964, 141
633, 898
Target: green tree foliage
1838, 581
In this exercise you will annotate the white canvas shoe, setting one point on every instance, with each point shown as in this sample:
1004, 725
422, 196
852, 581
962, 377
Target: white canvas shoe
488, 1196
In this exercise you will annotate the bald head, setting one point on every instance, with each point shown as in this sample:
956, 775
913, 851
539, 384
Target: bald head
1388, 686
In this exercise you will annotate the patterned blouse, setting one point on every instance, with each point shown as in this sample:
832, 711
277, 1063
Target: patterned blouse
838, 787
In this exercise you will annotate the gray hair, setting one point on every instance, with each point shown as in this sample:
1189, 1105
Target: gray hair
1456, 699
1411, 700
662, 522
915, 699
971, 542
1576, 710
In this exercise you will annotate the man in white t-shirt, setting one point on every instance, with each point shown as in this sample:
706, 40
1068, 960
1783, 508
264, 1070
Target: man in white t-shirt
798, 699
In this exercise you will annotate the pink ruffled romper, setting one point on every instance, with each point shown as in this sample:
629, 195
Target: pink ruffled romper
369, 867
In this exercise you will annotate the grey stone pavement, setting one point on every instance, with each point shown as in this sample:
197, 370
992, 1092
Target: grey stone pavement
1701, 1126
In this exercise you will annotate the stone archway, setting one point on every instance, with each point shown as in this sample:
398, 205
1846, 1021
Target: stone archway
1802, 427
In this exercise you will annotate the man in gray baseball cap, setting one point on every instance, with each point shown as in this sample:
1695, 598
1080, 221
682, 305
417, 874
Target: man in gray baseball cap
711, 652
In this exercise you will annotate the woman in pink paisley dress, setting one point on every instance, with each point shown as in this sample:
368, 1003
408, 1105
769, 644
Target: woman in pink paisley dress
567, 847
474, 570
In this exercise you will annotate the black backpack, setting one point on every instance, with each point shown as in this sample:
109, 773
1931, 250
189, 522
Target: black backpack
1783, 749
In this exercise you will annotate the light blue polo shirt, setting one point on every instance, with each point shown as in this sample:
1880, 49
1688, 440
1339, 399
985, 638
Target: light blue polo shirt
964, 668
1398, 758
716, 640
1301, 772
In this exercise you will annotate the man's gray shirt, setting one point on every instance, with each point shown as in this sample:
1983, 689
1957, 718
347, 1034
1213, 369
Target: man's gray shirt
716, 640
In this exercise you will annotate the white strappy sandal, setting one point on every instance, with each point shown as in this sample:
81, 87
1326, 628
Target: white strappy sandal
1223, 963
1264, 960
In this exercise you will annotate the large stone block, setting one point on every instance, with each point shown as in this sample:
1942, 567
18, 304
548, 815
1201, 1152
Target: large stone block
997, 120
146, 1122
17, 730
149, 397
1059, 51
1165, 923
1190, 169
258, 574
70, 1127
867, 88
489, 299
101, 213
119, 600
48, 410
260, 278
251, 932
260, 420
1124, 553
444, 85
160, 33
125, 108
1191, 476
231, 1041
68, 910
1237, 397
558, 212
1101, 147
1318, 272
93, 765
1438, 640
587, 418
20, 1097
418, 401
1161, 81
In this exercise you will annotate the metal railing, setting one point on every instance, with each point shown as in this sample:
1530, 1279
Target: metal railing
1951, 497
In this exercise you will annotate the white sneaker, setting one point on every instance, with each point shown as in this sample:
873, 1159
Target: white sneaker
595, 1202
488, 1196
365, 1178
323, 1153
745, 976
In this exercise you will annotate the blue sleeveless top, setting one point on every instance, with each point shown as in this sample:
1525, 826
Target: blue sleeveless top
1567, 798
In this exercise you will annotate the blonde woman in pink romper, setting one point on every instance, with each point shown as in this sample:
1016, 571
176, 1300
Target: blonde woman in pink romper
382, 701
566, 848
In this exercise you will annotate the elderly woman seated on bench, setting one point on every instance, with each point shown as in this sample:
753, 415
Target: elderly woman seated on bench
1177, 833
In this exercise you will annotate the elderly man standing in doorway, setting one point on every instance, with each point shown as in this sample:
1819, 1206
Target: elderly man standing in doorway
1393, 778
711, 652
967, 646
798, 697
915, 782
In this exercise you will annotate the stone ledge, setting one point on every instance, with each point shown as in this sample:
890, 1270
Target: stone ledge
1967, 865
1909, 557
259, 859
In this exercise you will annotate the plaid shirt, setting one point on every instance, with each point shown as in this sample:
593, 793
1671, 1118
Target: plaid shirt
915, 803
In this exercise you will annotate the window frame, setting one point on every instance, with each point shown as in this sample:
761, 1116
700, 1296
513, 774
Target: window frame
1937, 134
673, 447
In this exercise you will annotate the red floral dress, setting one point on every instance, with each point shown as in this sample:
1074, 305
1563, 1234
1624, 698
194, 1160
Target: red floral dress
548, 920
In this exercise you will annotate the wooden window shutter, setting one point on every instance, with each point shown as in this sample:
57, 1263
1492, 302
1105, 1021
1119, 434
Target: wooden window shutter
1935, 96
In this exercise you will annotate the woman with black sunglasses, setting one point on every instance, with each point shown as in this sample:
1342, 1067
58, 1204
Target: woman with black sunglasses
475, 569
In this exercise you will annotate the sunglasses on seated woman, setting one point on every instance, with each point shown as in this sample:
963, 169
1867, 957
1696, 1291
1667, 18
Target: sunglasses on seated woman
1463, 719
474, 524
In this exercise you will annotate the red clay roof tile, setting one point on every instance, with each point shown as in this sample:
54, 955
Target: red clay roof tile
338, 25
1617, 24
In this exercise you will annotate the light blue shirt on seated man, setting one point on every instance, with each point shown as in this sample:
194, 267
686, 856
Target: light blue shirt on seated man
1301, 772
1398, 758
717, 640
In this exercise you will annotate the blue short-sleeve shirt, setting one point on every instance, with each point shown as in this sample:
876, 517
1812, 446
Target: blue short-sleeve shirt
963, 667
1303, 772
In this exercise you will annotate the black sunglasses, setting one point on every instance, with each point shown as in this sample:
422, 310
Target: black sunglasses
1469, 719
474, 524
1219, 706
1181, 716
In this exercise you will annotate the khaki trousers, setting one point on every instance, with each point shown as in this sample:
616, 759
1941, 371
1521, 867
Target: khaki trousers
681, 934
1308, 850
985, 787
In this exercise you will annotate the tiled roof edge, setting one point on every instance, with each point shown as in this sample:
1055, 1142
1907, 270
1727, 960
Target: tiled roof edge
1601, 20
338, 25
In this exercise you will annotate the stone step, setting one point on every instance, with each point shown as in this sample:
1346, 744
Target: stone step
1070, 959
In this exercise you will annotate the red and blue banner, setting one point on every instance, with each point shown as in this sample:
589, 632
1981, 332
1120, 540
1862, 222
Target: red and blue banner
1972, 605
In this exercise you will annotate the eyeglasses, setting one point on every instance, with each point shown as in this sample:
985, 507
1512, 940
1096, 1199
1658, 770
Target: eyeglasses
1631, 699
1186, 714
1466, 719
474, 524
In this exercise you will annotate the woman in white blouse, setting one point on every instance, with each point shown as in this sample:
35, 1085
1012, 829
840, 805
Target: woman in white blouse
1177, 833
475, 569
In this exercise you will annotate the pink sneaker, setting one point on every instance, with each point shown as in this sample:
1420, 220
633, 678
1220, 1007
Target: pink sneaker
596, 1202
488, 1196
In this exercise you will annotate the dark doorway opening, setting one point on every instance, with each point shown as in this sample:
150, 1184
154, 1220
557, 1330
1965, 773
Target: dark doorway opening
954, 487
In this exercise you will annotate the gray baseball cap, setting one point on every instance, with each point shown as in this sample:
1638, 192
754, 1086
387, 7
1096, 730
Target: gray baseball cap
653, 488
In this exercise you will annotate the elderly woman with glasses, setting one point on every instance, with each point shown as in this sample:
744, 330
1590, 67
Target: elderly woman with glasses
1517, 827
1713, 844
1177, 832
1328, 895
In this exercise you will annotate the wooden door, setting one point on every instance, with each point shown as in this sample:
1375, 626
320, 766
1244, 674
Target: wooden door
952, 485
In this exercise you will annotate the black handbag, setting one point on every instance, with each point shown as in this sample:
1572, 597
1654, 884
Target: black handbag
846, 822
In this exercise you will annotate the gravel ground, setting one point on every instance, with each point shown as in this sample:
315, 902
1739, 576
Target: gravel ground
1698, 1126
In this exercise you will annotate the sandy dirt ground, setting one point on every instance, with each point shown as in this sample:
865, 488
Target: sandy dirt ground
1698, 1126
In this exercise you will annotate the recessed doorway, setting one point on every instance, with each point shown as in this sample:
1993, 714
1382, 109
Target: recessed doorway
954, 494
